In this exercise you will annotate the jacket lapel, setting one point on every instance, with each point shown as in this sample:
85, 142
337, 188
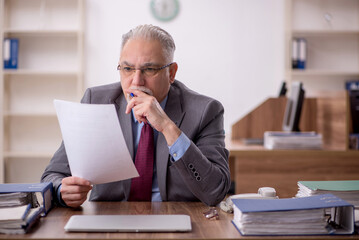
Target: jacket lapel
174, 111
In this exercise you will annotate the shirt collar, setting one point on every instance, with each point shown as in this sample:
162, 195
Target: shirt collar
162, 104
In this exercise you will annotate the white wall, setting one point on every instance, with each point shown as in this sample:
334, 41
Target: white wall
231, 50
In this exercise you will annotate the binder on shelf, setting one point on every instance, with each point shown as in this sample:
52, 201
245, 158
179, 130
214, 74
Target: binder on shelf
295, 53
38, 194
354, 141
11, 53
352, 85
302, 54
346, 190
354, 109
299, 53
294, 216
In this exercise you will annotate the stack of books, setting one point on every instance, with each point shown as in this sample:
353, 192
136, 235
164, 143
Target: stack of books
292, 140
347, 190
294, 216
21, 205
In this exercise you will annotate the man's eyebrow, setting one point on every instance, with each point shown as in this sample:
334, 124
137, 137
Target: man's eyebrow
147, 64
150, 64
126, 63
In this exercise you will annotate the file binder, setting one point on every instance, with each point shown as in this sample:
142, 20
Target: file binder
346, 190
41, 193
294, 216
302, 55
295, 53
11, 52
18, 220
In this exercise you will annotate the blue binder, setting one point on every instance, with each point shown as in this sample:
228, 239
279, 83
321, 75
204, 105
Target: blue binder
271, 210
11, 52
43, 190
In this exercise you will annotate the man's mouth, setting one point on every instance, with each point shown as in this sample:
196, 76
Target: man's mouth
143, 89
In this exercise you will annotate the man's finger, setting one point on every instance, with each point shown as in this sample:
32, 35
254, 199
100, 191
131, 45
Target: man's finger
76, 181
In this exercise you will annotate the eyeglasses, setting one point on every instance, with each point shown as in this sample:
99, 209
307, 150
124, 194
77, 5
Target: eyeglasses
147, 71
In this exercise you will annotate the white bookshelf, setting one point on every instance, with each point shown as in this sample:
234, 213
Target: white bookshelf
331, 28
50, 66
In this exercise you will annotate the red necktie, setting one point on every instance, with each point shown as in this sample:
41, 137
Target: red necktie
141, 187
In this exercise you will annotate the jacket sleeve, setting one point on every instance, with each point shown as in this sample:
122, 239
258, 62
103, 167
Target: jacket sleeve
204, 167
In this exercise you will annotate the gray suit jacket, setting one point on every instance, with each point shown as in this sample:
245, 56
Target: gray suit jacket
201, 174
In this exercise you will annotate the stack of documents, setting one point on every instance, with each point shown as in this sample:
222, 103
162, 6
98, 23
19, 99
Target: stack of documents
17, 220
292, 140
347, 190
21, 205
15, 199
295, 216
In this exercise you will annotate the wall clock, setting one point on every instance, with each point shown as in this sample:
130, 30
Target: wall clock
164, 10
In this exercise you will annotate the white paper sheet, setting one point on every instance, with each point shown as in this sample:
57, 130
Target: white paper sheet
94, 143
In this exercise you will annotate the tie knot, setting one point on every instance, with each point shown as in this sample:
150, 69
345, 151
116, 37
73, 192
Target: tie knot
147, 127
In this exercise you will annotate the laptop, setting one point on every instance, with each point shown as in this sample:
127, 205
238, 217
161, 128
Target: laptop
129, 223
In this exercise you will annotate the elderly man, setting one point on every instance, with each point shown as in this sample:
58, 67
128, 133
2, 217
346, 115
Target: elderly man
174, 134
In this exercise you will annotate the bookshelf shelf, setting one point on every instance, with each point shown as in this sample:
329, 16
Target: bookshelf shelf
327, 72
321, 32
46, 155
31, 114
40, 33
50, 66
34, 72
331, 30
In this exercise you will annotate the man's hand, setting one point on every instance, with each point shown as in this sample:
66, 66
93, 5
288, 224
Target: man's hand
146, 108
74, 191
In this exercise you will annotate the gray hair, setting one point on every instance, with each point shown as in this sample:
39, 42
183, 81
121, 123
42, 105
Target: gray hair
151, 32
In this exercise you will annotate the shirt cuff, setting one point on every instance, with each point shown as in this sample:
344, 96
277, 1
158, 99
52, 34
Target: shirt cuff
179, 148
59, 199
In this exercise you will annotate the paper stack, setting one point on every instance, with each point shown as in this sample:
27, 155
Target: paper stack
17, 220
294, 216
346, 190
21, 205
15, 199
292, 140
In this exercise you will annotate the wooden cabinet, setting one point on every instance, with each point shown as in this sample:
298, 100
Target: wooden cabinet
331, 30
254, 166
50, 66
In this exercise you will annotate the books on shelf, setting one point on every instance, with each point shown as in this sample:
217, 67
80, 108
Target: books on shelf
21, 205
10, 53
347, 190
294, 216
352, 85
292, 140
299, 53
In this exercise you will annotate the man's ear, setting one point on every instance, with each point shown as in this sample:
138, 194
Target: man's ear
173, 70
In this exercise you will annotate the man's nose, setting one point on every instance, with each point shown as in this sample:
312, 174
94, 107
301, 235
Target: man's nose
138, 78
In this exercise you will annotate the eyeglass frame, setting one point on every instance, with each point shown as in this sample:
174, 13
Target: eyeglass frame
133, 70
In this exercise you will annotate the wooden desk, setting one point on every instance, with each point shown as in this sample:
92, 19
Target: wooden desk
52, 226
254, 166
